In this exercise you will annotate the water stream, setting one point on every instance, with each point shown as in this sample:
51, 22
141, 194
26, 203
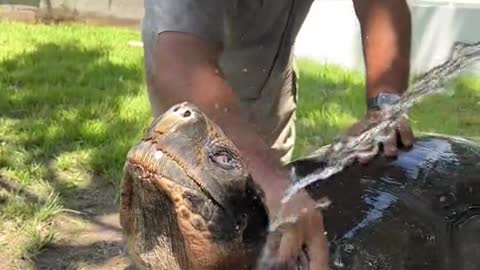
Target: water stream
338, 155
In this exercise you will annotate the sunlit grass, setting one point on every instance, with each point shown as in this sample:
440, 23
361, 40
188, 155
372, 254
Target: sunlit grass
73, 101
331, 99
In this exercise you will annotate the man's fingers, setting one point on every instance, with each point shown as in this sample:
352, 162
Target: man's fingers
406, 133
390, 145
290, 244
365, 157
272, 245
307, 235
318, 253
390, 141
304, 261
270, 258
406, 137
317, 244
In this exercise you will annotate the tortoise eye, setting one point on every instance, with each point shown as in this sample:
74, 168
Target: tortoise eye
224, 159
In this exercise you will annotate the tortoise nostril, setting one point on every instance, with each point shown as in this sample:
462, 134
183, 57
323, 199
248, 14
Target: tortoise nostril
176, 108
187, 113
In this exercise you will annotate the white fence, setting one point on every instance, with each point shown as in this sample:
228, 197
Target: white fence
331, 32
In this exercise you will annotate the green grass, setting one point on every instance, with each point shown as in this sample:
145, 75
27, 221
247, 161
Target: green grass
332, 99
73, 101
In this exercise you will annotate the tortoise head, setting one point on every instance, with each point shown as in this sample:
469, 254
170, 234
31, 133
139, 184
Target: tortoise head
188, 201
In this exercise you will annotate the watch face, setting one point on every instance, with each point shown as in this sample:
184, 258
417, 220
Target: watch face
383, 99
389, 98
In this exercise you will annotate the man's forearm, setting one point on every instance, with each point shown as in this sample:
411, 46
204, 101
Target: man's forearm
187, 71
386, 38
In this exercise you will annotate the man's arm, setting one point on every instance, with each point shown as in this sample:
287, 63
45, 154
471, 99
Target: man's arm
187, 70
386, 38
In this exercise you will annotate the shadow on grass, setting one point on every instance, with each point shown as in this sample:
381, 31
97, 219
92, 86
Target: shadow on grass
68, 99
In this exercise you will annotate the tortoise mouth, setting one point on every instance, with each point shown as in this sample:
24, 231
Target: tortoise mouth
150, 161
146, 161
150, 181
145, 178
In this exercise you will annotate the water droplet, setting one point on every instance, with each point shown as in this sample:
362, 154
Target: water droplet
348, 248
366, 181
158, 155
324, 203
338, 263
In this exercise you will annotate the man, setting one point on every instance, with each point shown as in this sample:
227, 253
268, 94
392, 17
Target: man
233, 59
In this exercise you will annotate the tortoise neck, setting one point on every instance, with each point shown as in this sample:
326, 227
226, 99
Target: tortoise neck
161, 244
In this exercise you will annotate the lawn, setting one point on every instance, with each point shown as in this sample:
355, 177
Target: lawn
73, 101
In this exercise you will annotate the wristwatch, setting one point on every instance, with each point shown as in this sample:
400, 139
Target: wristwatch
381, 101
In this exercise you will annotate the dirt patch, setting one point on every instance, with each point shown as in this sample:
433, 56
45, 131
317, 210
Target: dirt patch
57, 16
90, 239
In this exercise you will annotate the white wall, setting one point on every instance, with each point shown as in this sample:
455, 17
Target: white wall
331, 32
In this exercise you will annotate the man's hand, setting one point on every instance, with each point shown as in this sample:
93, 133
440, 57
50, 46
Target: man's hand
297, 238
400, 135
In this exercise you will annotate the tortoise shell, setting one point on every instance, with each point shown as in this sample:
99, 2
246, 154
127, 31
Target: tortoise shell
420, 210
